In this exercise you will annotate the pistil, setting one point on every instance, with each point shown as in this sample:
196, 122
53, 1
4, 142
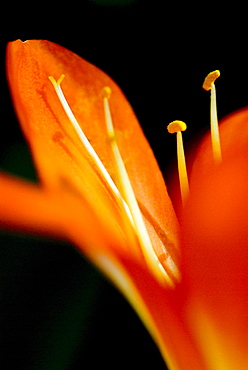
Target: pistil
88, 146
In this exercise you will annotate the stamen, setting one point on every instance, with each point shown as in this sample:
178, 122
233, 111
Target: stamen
178, 126
129, 196
215, 137
88, 146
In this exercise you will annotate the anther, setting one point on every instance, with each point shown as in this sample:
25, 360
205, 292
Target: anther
210, 79
177, 127
215, 137
106, 92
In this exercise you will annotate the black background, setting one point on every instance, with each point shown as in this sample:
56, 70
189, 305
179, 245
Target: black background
57, 312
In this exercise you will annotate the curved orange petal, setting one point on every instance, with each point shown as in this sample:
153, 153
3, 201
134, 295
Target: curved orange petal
91, 217
58, 153
215, 253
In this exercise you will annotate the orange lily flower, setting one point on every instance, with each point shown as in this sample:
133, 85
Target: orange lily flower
101, 189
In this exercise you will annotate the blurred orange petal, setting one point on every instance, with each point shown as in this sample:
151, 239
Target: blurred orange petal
215, 248
28, 207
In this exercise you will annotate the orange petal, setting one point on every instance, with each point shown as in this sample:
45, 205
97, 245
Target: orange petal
24, 206
163, 312
58, 153
28, 207
89, 214
215, 248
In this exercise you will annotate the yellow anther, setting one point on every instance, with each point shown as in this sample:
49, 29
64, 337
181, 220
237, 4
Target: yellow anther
176, 126
210, 80
215, 137
105, 93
